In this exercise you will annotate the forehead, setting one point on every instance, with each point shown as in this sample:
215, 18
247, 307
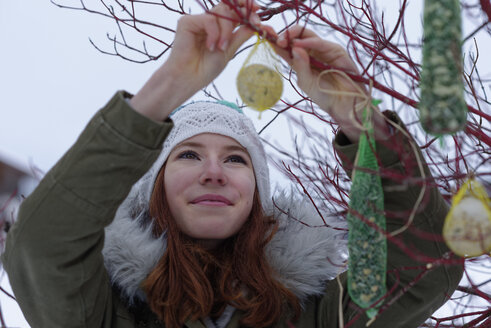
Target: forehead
211, 140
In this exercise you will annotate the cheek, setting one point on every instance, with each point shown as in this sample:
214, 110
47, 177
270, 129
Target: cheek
248, 187
174, 185
176, 180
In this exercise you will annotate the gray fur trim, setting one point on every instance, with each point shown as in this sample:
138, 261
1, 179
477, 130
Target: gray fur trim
130, 253
8, 215
304, 252
304, 257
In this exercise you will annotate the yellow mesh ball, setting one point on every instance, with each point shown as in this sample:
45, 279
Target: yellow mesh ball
467, 228
259, 86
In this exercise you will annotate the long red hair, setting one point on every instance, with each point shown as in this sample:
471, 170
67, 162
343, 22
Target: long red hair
190, 282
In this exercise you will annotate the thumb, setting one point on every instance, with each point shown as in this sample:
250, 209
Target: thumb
241, 35
301, 64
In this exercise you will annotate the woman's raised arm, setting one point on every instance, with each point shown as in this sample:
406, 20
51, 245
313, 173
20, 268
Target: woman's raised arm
202, 47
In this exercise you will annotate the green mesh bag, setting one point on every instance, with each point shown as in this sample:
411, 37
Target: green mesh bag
367, 247
442, 107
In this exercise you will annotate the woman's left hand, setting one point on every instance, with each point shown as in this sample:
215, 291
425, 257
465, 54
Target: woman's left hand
335, 93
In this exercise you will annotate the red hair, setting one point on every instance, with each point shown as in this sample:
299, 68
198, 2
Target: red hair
190, 282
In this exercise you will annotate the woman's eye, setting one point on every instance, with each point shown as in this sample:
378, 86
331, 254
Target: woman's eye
237, 159
188, 155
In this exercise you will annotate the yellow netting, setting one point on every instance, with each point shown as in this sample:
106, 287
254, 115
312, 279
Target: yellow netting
259, 82
467, 228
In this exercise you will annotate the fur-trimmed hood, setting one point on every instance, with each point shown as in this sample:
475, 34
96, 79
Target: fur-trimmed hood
303, 257
303, 252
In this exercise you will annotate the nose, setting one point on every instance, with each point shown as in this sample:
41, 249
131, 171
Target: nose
213, 173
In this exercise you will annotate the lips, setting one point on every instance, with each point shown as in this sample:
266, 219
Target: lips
212, 199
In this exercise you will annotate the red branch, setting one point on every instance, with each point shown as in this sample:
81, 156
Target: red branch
393, 93
480, 135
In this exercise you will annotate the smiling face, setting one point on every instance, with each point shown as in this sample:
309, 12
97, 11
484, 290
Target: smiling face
209, 185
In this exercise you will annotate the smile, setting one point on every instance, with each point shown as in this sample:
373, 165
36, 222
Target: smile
211, 200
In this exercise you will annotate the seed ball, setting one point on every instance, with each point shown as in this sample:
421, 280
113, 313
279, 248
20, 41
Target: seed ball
467, 231
259, 86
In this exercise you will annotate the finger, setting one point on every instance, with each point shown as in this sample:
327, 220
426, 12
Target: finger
320, 45
203, 29
300, 62
283, 53
269, 30
253, 18
212, 31
241, 35
295, 32
246, 11
249, 11
327, 52
230, 14
249, 4
298, 59
227, 20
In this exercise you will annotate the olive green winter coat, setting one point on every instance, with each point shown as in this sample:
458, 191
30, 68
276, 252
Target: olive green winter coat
56, 268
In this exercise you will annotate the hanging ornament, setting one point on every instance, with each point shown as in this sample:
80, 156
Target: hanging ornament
442, 107
259, 82
467, 227
366, 244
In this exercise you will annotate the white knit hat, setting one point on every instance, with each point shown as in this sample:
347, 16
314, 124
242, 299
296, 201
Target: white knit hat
206, 117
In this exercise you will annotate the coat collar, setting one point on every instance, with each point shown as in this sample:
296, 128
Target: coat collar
304, 252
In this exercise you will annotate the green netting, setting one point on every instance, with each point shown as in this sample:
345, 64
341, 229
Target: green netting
367, 247
442, 107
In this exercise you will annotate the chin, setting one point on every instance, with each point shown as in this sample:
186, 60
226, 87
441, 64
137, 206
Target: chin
213, 229
214, 234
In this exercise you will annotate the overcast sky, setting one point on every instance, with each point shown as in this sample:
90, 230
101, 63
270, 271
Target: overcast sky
52, 80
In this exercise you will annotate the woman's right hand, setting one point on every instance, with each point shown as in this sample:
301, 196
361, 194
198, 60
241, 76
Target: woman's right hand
205, 43
202, 47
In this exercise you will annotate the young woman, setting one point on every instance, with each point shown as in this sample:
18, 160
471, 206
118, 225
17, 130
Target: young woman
155, 219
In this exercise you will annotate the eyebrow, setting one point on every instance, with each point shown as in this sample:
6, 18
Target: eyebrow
200, 145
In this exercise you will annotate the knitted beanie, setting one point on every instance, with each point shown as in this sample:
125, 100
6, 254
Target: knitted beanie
207, 117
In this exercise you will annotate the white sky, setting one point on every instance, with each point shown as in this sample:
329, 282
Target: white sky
52, 81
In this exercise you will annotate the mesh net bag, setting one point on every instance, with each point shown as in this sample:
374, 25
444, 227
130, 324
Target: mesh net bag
366, 244
259, 82
442, 107
467, 227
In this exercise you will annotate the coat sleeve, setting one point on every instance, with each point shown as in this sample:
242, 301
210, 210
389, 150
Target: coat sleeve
416, 288
53, 251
